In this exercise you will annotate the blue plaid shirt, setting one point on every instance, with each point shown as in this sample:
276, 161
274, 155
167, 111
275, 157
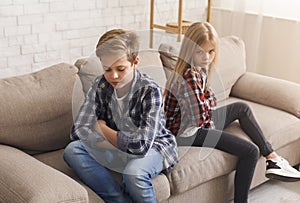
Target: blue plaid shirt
140, 125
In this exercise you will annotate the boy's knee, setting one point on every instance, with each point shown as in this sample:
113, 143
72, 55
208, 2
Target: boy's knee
136, 181
71, 149
132, 170
133, 174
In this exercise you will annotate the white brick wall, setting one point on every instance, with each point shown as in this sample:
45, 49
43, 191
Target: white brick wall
35, 34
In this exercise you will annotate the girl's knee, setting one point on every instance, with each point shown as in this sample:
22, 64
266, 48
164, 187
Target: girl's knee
242, 105
250, 151
254, 151
244, 109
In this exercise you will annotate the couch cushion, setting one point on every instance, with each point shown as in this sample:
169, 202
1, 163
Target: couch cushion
89, 69
78, 97
55, 160
151, 65
231, 64
277, 93
198, 165
279, 127
37, 109
168, 56
25, 179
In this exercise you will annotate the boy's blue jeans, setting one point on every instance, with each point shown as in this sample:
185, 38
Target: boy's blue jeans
137, 173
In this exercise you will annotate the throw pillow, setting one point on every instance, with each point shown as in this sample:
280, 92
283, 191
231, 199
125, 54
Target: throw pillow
89, 69
168, 56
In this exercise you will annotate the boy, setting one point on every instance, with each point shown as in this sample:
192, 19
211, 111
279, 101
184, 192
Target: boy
121, 126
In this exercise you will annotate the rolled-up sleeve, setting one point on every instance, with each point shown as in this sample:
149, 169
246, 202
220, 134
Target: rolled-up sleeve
83, 127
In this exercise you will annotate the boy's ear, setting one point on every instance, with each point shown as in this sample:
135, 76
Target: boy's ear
136, 60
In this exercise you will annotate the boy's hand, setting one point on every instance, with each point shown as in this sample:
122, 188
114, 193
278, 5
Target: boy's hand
101, 123
103, 144
110, 134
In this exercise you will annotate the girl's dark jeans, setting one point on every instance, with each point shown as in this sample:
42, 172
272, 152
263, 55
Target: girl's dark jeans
246, 151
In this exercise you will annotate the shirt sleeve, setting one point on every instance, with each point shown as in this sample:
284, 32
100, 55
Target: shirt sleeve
210, 96
140, 139
83, 126
172, 110
193, 92
200, 101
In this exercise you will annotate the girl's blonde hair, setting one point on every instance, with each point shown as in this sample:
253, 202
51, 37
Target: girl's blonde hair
195, 36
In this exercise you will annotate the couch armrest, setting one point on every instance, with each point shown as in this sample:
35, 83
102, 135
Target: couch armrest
273, 92
25, 179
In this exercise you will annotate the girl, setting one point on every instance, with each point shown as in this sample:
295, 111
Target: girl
191, 113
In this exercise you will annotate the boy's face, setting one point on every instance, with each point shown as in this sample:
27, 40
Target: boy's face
118, 71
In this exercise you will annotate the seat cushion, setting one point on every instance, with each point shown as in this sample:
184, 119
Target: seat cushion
55, 160
197, 166
25, 179
279, 127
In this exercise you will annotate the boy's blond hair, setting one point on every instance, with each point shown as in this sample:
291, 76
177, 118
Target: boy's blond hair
118, 41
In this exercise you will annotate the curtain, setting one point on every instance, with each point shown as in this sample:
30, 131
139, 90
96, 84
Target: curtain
236, 17
270, 30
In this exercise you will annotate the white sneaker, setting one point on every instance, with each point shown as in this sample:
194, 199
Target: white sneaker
281, 170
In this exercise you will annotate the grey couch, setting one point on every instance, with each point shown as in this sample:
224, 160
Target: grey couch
37, 111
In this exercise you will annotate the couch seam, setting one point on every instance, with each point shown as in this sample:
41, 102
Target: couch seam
13, 191
80, 199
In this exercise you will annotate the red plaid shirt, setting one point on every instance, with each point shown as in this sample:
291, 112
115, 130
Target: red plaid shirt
187, 104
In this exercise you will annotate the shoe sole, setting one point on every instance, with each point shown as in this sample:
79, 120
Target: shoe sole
281, 178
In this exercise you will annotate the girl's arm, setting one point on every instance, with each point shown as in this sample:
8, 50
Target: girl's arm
196, 99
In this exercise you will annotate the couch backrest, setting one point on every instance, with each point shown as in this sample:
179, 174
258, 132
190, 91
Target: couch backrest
231, 64
36, 110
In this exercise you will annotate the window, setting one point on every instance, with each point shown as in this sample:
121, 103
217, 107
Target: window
287, 9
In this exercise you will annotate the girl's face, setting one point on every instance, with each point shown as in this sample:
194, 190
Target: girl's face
117, 71
204, 55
